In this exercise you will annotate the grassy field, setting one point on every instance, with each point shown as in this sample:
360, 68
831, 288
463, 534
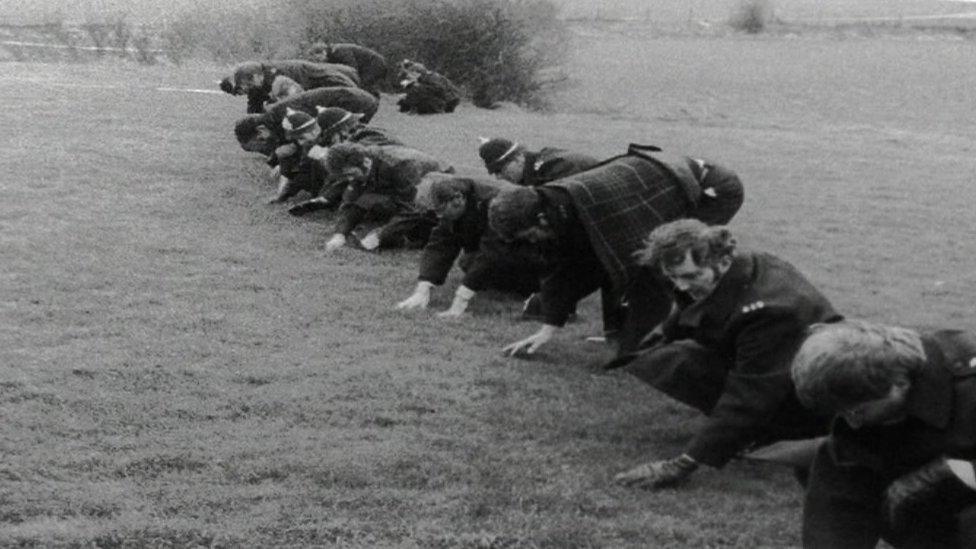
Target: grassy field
184, 365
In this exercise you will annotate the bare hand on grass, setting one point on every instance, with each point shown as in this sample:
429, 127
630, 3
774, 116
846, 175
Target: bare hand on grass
531, 344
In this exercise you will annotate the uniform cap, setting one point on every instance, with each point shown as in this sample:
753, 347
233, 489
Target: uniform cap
296, 122
331, 119
496, 152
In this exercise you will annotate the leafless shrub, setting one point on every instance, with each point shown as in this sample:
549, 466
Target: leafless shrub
497, 50
142, 43
61, 34
98, 33
121, 34
752, 16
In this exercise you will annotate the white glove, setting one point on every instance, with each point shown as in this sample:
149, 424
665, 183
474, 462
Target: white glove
419, 299
317, 152
532, 343
337, 241
460, 304
371, 241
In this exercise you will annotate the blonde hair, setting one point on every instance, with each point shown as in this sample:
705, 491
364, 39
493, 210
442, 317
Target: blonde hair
669, 244
844, 364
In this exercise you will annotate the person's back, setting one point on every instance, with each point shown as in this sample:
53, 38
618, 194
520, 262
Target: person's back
398, 167
370, 64
255, 79
426, 91
310, 101
551, 163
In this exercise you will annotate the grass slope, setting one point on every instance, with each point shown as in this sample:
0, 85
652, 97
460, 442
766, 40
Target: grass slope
184, 366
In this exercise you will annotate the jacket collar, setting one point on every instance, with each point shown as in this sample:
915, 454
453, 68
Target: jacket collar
723, 300
930, 397
528, 170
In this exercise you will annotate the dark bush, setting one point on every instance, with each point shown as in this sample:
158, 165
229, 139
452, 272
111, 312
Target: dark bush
122, 34
99, 33
752, 16
496, 50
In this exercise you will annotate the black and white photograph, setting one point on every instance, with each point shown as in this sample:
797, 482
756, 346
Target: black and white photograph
488, 274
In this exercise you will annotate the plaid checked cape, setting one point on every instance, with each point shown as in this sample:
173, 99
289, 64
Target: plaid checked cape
620, 201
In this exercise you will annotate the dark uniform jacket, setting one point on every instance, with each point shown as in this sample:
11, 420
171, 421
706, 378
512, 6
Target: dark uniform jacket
373, 136
388, 190
470, 233
572, 268
352, 99
756, 318
855, 467
551, 163
310, 175
370, 64
307, 74
430, 93
395, 172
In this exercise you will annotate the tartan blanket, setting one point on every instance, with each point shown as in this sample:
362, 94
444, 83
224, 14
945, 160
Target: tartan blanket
620, 201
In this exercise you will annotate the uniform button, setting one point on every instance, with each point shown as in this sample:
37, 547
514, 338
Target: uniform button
972, 363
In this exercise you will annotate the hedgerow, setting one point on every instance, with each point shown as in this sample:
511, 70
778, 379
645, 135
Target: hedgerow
495, 50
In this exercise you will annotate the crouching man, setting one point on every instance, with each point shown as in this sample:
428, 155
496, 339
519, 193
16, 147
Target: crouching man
461, 205
426, 91
512, 162
899, 462
379, 183
726, 348
263, 133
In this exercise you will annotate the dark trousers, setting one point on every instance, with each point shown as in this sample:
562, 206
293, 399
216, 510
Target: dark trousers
842, 511
695, 375
403, 226
368, 206
407, 230
646, 303
685, 371
505, 274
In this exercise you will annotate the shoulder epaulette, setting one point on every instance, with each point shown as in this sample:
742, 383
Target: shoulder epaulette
754, 306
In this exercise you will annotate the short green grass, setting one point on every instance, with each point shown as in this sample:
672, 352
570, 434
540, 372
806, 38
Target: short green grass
185, 366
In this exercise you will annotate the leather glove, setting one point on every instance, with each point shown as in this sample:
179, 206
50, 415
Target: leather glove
658, 474
931, 492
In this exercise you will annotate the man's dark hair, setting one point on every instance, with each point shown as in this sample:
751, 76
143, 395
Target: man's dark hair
228, 86
246, 128
669, 244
